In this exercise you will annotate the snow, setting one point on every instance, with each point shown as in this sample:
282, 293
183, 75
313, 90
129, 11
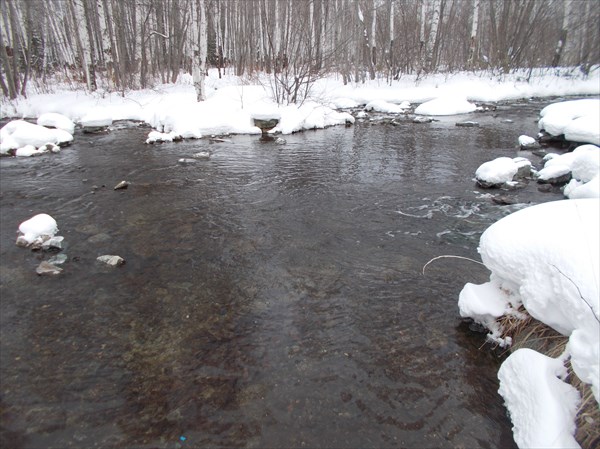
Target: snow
232, 102
386, 107
525, 141
155, 136
577, 189
36, 227
578, 120
19, 133
447, 105
545, 257
97, 118
542, 406
500, 170
56, 120
584, 165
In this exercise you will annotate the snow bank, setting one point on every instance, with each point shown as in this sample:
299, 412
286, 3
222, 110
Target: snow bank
545, 257
449, 105
578, 120
542, 407
19, 133
99, 117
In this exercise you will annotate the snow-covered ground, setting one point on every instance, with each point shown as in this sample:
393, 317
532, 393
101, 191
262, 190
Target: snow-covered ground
233, 102
544, 257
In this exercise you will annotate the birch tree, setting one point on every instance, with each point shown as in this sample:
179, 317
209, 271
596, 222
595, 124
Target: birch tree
199, 62
473, 35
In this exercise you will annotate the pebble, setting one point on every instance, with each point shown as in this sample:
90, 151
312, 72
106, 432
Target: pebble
121, 185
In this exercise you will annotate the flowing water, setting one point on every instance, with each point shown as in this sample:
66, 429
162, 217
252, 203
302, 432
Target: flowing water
272, 296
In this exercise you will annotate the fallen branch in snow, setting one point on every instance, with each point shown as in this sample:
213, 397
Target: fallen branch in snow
449, 256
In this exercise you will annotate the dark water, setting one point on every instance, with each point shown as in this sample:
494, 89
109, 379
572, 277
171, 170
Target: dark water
272, 295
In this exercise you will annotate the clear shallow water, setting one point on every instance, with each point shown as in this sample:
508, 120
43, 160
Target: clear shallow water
272, 295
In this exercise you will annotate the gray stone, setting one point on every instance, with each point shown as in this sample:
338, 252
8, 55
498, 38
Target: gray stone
47, 269
110, 260
98, 238
59, 259
121, 185
266, 124
467, 124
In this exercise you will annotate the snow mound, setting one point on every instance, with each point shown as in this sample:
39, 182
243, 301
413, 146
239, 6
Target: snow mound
37, 227
542, 407
552, 271
30, 150
386, 107
19, 133
500, 170
578, 120
155, 136
584, 165
449, 105
56, 120
526, 141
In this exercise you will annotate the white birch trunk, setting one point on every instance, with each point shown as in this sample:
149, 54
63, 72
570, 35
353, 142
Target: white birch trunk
435, 20
474, 26
373, 31
199, 65
565, 45
277, 31
422, 27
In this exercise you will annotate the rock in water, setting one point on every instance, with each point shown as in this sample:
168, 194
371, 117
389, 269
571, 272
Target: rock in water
122, 185
468, 124
46, 269
113, 261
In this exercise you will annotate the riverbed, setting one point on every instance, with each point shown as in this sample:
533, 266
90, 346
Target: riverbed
272, 294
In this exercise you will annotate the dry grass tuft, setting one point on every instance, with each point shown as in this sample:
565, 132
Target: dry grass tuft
588, 415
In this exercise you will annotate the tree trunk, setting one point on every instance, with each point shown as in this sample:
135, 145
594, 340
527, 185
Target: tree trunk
200, 58
473, 37
563, 39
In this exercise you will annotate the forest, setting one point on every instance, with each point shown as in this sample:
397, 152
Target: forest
130, 44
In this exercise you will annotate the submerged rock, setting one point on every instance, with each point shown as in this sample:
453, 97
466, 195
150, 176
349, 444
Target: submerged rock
59, 259
422, 119
201, 155
47, 269
110, 260
467, 124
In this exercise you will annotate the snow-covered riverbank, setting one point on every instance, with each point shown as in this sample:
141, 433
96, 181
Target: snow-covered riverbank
233, 102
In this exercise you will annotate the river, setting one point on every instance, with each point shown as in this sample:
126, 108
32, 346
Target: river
272, 295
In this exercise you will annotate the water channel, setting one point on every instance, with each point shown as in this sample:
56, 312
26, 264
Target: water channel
272, 295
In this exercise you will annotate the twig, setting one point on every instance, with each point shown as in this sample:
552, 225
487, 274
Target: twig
451, 257
578, 291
